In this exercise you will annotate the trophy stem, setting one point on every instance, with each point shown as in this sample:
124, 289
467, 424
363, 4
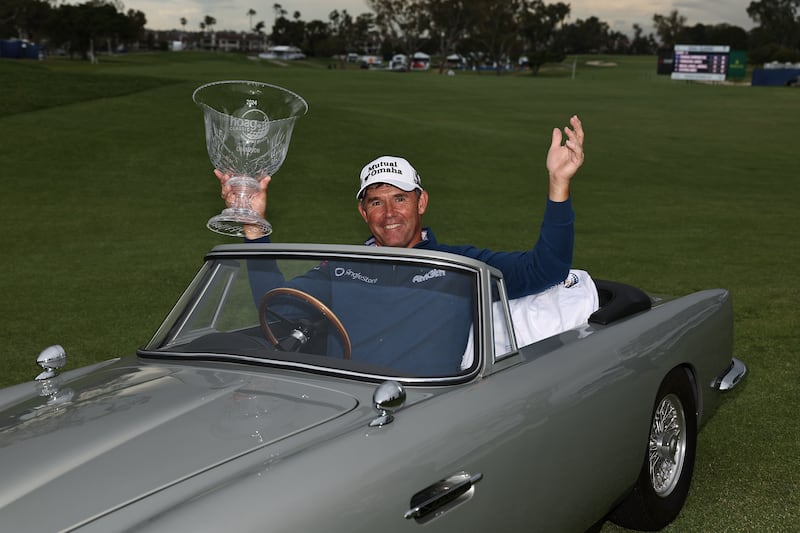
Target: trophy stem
243, 188
231, 221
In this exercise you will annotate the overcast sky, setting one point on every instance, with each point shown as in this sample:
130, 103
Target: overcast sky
619, 14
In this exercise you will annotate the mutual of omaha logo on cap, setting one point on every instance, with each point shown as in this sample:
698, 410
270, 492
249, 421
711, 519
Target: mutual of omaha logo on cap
392, 170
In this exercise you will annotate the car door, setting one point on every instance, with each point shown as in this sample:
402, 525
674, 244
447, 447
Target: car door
550, 437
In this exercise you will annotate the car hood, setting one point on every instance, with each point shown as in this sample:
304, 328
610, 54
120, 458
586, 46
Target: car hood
120, 433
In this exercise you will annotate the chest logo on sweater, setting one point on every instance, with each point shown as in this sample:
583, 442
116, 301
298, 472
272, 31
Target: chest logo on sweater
431, 274
571, 281
350, 273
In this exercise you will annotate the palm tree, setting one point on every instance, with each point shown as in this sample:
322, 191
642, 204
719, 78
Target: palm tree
210, 22
250, 13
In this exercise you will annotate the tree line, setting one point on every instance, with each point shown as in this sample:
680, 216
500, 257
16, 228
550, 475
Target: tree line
488, 31
77, 28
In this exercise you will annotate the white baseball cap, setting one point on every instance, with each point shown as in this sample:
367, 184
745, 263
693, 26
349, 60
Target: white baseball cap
392, 170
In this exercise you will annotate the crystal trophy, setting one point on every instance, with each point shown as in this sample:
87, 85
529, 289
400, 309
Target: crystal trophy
248, 127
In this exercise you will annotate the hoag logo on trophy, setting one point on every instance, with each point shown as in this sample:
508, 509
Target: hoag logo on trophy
253, 125
248, 127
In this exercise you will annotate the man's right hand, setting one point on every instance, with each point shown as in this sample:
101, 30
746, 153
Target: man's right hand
258, 202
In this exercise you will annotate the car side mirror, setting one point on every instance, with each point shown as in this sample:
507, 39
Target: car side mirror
51, 359
387, 398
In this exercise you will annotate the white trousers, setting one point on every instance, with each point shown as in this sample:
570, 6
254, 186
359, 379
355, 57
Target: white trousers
544, 314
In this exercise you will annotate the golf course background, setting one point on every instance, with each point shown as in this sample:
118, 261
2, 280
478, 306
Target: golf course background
107, 187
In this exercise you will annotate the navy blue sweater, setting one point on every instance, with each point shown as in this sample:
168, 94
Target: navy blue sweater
417, 320
531, 271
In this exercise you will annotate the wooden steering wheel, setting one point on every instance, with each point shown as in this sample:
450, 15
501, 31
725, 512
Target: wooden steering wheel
302, 330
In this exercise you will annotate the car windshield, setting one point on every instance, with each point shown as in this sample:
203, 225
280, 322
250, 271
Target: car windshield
382, 316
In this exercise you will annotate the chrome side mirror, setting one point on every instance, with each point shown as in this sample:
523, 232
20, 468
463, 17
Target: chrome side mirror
388, 397
51, 359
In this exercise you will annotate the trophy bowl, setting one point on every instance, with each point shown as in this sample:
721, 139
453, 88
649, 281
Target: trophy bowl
248, 126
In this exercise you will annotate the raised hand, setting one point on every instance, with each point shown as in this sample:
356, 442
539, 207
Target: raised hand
564, 160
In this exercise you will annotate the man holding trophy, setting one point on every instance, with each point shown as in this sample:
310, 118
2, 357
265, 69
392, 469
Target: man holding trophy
392, 202
249, 143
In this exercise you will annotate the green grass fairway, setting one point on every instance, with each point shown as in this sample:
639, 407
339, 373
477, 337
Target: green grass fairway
107, 188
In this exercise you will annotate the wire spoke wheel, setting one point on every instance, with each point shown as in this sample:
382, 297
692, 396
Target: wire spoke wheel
667, 449
668, 462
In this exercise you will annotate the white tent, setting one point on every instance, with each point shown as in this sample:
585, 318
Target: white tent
282, 52
420, 61
399, 62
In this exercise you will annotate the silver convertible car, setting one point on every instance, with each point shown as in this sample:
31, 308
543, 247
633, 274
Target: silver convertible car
298, 388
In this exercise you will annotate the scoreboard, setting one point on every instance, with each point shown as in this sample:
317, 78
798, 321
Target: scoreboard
700, 62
